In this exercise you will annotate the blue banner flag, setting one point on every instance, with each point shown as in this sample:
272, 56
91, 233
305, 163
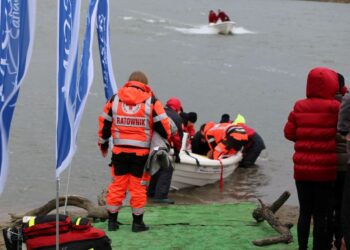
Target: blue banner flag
72, 91
110, 86
17, 20
67, 53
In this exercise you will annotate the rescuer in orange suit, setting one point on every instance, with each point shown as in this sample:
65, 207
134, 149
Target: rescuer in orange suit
224, 139
130, 117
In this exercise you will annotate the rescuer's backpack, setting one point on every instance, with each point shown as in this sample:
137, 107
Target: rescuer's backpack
40, 233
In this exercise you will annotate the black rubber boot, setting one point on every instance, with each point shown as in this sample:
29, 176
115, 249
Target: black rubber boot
138, 225
112, 221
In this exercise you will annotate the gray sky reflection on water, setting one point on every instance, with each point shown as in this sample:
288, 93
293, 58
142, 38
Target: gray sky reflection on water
259, 73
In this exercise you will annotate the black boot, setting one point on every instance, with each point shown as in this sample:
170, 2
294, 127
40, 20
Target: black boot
112, 221
138, 225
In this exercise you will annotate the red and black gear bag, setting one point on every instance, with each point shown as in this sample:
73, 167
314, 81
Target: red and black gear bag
45, 225
92, 238
80, 236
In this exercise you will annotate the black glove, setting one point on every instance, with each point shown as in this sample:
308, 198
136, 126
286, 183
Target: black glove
104, 148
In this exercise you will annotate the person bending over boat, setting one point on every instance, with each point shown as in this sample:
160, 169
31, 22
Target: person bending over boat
255, 145
198, 144
159, 186
222, 16
224, 139
130, 117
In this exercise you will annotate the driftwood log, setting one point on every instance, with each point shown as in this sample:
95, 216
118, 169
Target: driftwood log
101, 198
93, 210
257, 213
265, 212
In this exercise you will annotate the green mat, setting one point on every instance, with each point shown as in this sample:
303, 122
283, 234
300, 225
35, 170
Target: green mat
214, 226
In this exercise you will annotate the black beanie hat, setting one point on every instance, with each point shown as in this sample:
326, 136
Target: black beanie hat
192, 117
184, 117
225, 118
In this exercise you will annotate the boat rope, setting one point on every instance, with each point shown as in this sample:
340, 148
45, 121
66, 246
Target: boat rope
221, 175
197, 161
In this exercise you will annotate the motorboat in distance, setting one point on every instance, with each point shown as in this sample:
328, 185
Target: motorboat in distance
223, 28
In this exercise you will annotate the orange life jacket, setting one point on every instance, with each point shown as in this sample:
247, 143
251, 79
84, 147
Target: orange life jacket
132, 118
217, 138
132, 123
217, 133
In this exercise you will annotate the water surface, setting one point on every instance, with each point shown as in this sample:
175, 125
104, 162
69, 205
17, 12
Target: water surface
259, 72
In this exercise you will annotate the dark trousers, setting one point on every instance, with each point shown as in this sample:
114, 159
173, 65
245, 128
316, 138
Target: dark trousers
338, 196
346, 209
252, 152
315, 200
160, 183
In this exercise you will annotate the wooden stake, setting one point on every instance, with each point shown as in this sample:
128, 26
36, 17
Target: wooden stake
267, 213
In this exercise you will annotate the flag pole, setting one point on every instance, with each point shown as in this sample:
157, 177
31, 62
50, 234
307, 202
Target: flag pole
67, 187
57, 213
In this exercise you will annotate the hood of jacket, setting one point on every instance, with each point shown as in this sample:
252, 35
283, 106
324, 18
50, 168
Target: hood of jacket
134, 92
174, 103
322, 83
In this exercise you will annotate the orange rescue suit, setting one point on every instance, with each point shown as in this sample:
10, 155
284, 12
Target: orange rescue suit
225, 139
130, 117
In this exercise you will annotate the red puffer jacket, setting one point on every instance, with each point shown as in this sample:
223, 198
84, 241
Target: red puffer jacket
312, 126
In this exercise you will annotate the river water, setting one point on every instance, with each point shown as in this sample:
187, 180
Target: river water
259, 72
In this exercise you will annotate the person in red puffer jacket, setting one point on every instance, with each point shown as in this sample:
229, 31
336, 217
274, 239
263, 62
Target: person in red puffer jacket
312, 126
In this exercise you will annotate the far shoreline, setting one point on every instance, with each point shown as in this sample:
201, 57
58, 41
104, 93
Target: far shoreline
331, 1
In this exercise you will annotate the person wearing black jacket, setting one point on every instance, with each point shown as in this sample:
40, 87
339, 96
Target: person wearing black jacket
344, 130
198, 144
